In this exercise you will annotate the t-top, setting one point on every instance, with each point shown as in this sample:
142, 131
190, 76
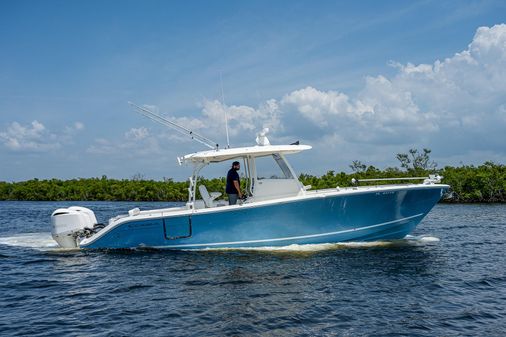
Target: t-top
231, 176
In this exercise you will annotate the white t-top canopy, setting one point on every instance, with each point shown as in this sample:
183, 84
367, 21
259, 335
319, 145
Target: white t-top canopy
216, 156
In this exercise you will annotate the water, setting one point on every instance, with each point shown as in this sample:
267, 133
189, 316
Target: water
448, 279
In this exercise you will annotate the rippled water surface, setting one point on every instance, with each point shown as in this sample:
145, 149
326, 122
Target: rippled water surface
448, 279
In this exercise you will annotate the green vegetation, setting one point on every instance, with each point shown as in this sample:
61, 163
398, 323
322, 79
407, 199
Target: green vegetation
469, 184
474, 184
485, 183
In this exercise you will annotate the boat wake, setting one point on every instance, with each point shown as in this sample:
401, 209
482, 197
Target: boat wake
40, 241
409, 240
44, 241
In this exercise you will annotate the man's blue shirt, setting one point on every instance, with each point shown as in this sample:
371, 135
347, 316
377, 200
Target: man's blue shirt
231, 176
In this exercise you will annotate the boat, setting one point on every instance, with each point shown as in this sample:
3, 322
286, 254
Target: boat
279, 209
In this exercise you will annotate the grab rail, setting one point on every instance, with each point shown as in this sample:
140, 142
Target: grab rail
431, 179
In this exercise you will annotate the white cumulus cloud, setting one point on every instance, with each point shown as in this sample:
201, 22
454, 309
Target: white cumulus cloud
137, 133
242, 120
32, 137
457, 103
36, 137
135, 142
318, 106
456, 106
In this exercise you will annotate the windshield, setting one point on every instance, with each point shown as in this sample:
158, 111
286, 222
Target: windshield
272, 167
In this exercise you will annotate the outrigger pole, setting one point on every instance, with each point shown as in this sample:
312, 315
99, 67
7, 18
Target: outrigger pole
224, 109
181, 129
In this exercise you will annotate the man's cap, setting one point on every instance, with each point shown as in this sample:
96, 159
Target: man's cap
236, 163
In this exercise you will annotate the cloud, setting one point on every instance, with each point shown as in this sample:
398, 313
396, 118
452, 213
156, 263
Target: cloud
135, 142
242, 120
381, 112
319, 107
464, 95
137, 133
456, 106
36, 137
457, 103
32, 137
70, 131
78, 126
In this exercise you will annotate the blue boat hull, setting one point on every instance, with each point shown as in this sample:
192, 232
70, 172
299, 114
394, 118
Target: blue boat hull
366, 216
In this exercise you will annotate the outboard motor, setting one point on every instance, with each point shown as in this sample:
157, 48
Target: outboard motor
71, 223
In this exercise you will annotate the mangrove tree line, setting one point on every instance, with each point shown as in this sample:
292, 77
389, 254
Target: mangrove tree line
469, 184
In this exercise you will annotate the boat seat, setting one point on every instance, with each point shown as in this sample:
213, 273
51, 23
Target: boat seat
208, 198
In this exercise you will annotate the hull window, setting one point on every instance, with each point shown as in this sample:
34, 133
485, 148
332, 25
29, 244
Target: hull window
177, 228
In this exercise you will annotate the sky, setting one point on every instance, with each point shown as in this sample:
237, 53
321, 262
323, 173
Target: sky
356, 80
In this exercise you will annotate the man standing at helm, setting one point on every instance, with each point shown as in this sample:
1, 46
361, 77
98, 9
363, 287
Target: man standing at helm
233, 183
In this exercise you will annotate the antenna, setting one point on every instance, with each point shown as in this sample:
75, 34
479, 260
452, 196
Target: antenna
181, 129
226, 116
